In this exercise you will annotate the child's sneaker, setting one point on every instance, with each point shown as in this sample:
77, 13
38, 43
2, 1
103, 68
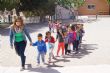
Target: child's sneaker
44, 63
49, 62
76, 52
63, 56
53, 58
57, 56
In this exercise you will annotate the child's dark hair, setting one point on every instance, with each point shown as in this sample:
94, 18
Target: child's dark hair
48, 32
73, 27
39, 35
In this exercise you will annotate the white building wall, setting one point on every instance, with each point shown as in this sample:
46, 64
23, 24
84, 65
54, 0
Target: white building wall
63, 13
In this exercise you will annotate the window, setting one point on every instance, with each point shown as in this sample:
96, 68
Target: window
91, 7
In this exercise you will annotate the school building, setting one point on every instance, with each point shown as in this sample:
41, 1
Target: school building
93, 7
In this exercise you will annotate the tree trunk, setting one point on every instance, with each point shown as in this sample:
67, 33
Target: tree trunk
109, 9
42, 18
17, 12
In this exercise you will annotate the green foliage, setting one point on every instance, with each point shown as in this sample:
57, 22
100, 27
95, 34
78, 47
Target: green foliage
38, 7
109, 5
8, 4
30, 7
108, 2
70, 3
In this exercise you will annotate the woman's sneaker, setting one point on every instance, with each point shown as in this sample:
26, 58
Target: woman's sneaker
22, 69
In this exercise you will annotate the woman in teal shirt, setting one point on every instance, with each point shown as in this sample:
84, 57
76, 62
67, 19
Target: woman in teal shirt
18, 33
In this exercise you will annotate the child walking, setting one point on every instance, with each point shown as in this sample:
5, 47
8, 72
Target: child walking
82, 32
41, 46
74, 36
66, 40
71, 37
51, 43
77, 41
50, 25
60, 38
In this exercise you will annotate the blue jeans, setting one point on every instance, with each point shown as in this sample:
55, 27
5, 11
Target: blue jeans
42, 54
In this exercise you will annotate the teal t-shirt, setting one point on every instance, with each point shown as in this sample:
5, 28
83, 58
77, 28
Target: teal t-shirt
19, 37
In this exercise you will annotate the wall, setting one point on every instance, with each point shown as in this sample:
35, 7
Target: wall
101, 7
63, 13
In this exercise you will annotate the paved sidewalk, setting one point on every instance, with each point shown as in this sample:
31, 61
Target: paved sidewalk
71, 69
93, 57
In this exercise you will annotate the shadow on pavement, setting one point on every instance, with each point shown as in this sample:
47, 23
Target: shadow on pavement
41, 69
85, 49
61, 60
53, 65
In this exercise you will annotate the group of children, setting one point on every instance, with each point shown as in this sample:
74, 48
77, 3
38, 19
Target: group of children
42, 48
67, 35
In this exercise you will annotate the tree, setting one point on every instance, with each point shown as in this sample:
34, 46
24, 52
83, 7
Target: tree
8, 4
38, 8
109, 5
70, 3
30, 7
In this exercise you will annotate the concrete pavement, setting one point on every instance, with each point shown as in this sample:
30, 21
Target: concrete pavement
93, 57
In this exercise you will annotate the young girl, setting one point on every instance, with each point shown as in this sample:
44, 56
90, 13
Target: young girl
60, 38
64, 28
51, 42
81, 32
70, 35
18, 33
66, 38
57, 25
74, 36
50, 25
77, 41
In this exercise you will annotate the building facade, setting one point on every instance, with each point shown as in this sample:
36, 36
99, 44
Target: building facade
63, 13
93, 7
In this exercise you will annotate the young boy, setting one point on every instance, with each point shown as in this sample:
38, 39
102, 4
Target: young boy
51, 43
41, 46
